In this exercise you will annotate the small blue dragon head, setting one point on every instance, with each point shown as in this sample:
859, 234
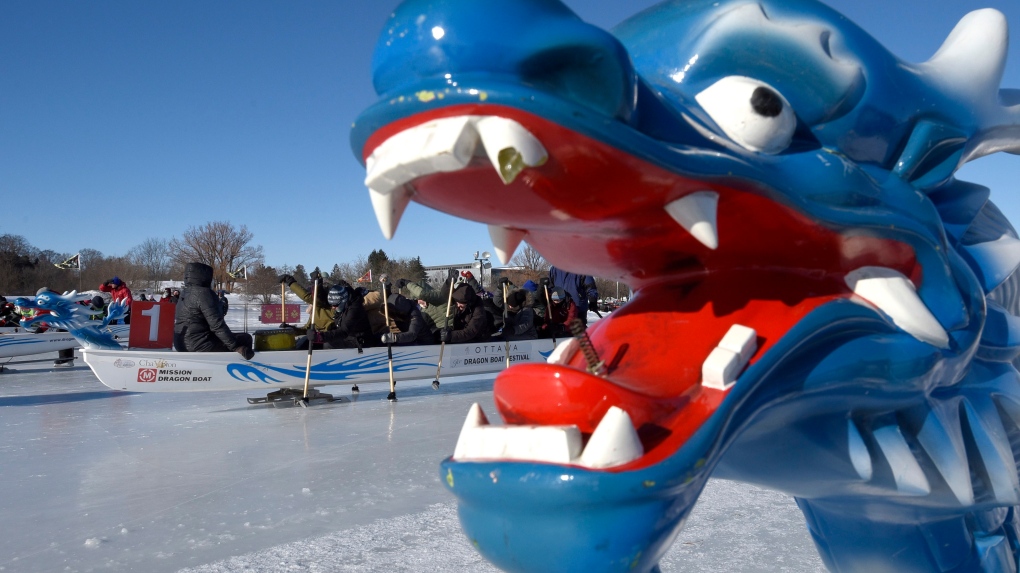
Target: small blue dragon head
820, 306
66, 312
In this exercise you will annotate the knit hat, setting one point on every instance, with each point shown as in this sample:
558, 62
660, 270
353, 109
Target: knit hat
516, 299
464, 294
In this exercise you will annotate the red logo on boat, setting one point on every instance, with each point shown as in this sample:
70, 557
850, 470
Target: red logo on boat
147, 374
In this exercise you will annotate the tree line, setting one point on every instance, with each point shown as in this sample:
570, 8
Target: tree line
229, 250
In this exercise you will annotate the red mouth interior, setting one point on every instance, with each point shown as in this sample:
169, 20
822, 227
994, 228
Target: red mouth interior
595, 209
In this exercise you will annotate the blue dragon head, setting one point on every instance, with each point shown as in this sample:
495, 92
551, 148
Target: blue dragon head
66, 312
820, 306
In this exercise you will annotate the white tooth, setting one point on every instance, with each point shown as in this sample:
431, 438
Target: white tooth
720, 369
564, 351
614, 442
740, 339
509, 139
697, 214
505, 241
552, 444
907, 473
443, 145
475, 419
895, 295
389, 207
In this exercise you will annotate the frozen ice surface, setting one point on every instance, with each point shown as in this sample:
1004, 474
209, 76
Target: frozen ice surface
97, 480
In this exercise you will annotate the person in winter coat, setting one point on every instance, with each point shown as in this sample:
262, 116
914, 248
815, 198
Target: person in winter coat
322, 315
407, 324
9, 316
581, 289
224, 303
350, 328
119, 291
470, 323
520, 319
562, 311
198, 324
434, 309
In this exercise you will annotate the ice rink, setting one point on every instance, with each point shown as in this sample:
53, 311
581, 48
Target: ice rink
97, 480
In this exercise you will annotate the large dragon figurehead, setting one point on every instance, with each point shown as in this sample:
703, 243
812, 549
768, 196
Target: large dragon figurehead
820, 307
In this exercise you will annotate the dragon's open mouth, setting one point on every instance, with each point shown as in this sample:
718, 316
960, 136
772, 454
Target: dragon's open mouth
723, 271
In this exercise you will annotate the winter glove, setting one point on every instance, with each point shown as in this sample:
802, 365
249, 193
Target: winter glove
389, 338
289, 280
246, 351
593, 302
401, 283
544, 281
444, 335
384, 278
316, 275
285, 325
504, 280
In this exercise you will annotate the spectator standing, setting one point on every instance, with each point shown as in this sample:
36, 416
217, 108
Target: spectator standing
581, 289
119, 291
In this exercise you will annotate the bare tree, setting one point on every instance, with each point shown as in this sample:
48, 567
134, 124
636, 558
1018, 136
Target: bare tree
152, 257
528, 264
263, 284
220, 245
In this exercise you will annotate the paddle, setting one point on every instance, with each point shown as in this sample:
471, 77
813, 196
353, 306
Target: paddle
392, 396
548, 311
506, 338
442, 344
311, 334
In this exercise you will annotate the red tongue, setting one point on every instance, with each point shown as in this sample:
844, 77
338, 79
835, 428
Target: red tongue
655, 347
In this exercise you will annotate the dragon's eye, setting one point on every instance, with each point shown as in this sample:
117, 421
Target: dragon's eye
750, 112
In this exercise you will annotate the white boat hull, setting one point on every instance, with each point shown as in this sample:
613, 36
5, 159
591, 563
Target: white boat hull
138, 370
23, 343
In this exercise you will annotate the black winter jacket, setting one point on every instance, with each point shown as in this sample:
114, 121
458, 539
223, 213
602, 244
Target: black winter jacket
198, 324
350, 325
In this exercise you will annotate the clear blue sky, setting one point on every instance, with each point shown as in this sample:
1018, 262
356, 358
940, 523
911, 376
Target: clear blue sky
121, 121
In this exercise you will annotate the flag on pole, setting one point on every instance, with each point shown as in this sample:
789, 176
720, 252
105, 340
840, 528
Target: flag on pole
367, 278
241, 273
71, 263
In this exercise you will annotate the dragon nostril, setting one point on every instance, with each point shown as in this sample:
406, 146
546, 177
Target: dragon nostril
766, 102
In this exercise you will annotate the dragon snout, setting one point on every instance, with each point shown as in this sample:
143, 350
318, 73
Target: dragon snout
540, 42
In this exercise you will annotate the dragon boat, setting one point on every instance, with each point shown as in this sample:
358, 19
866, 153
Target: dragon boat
282, 372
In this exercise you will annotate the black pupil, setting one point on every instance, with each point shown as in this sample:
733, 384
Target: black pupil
766, 102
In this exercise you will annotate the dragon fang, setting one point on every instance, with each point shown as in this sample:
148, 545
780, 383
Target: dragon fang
821, 308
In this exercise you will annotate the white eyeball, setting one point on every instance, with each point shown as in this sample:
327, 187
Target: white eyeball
750, 112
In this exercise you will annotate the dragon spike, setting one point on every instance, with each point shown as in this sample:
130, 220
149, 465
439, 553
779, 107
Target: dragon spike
505, 242
942, 440
973, 56
995, 260
909, 476
1000, 338
994, 454
859, 455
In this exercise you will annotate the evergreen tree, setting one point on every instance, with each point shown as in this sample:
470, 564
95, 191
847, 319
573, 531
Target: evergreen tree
300, 275
377, 260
